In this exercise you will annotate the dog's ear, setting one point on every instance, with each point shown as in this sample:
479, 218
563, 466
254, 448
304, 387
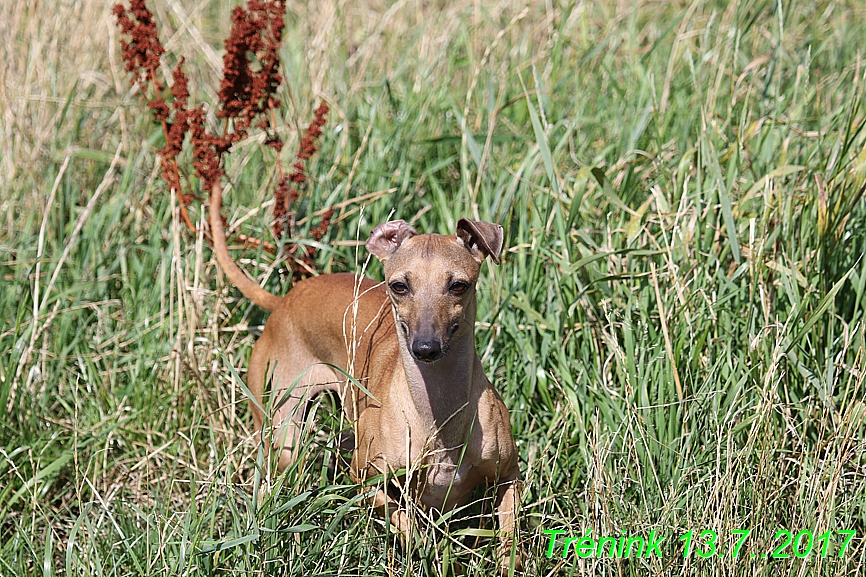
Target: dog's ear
387, 237
481, 238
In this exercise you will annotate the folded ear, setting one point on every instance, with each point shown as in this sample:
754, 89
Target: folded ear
387, 237
481, 238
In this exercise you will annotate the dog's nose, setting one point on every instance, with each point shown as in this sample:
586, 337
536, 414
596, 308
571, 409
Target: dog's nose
426, 349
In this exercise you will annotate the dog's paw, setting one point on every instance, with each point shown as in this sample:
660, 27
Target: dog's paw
504, 554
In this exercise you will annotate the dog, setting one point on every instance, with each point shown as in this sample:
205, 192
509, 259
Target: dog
418, 398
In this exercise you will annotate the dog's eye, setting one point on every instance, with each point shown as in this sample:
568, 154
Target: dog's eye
458, 288
399, 288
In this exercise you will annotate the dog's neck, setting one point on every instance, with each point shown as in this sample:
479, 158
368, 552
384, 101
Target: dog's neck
443, 391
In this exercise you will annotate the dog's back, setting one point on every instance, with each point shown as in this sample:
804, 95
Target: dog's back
323, 322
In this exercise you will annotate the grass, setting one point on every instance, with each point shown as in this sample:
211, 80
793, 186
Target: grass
677, 327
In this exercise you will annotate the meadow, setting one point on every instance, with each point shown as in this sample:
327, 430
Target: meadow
676, 325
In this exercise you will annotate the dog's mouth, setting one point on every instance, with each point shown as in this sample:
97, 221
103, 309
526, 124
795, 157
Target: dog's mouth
453, 329
429, 348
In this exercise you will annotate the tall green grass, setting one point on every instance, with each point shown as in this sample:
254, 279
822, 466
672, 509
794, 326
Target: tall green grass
677, 327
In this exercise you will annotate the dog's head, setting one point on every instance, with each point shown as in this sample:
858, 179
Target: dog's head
431, 280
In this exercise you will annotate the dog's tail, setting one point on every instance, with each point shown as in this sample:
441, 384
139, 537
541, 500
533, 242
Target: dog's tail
251, 289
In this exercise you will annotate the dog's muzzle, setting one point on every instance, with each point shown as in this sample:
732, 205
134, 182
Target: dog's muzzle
427, 350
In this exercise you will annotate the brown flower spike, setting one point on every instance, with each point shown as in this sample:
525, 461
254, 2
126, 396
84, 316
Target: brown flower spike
285, 195
247, 99
142, 55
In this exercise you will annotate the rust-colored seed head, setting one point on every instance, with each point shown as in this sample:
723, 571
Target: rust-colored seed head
281, 207
250, 65
205, 149
247, 98
306, 149
142, 55
143, 51
179, 87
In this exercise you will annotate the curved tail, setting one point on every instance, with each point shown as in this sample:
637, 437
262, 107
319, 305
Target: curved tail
251, 289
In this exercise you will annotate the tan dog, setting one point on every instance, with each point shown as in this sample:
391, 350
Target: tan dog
430, 408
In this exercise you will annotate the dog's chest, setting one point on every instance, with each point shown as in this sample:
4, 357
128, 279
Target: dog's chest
447, 484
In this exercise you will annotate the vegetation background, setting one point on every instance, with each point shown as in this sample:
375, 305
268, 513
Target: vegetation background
677, 326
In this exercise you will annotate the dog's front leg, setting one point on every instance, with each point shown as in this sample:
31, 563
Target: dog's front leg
383, 502
507, 503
